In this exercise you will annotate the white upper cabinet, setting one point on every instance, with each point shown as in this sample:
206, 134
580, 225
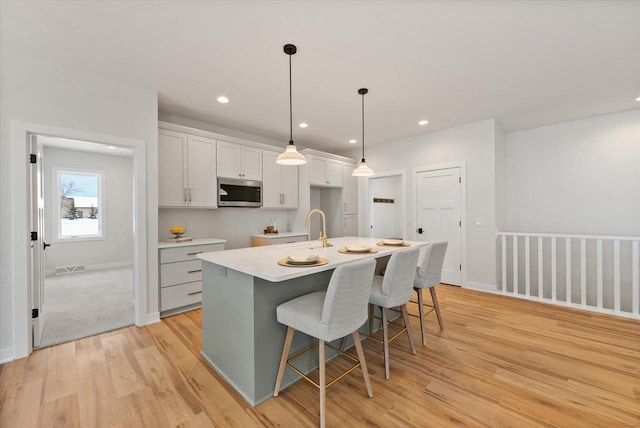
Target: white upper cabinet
239, 161
325, 171
186, 170
279, 183
350, 190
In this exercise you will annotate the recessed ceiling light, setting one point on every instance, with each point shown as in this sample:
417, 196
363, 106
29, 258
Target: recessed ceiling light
352, 141
638, 99
423, 122
111, 147
223, 100
303, 125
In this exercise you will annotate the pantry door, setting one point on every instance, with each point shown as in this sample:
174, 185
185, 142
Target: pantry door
438, 200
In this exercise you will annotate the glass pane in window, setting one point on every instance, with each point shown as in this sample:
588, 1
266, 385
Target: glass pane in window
80, 205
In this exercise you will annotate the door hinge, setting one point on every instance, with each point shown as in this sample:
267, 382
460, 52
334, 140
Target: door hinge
460, 223
460, 180
32, 158
34, 236
460, 267
34, 313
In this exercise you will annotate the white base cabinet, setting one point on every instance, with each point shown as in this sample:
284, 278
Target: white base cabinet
181, 275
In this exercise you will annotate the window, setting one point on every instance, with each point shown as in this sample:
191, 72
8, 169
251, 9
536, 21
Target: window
78, 205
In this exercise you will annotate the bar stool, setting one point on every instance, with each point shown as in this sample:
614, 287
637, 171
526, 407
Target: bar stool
328, 316
428, 275
392, 290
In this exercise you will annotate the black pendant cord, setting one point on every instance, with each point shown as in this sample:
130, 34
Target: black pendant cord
290, 105
363, 91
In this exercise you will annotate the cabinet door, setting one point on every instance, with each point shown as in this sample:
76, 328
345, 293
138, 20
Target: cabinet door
201, 172
317, 171
350, 225
334, 173
289, 176
251, 168
349, 191
271, 186
172, 149
228, 160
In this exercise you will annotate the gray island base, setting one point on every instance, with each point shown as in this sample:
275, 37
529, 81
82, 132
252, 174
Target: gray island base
241, 337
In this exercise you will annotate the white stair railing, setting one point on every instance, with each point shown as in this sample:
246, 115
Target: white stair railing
598, 273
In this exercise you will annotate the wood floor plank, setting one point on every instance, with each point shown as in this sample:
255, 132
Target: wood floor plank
499, 362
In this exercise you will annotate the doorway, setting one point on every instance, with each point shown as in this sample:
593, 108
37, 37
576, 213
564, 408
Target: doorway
85, 221
386, 205
439, 214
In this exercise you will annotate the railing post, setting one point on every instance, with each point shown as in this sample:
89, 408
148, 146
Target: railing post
515, 265
527, 267
635, 285
540, 269
554, 281
616, 275
583, 272
504, 263
599, 273
567, 254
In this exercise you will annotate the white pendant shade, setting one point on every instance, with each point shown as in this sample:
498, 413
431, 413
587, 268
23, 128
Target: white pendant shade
363, 170
291, 156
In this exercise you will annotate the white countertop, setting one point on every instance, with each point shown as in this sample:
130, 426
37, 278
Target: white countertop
262, 262
281, 235
194, 241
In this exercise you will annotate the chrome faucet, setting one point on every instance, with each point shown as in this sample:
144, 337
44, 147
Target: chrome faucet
323, 233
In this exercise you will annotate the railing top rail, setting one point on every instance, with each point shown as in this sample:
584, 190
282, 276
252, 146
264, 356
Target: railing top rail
559, 235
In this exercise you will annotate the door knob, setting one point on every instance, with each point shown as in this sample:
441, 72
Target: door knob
420, 230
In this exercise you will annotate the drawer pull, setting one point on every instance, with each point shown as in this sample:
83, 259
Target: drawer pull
193, 254
194, 292
194, 271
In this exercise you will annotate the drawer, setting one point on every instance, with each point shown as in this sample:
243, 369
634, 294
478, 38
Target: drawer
287, 239
180, 295
180, 272
179, 254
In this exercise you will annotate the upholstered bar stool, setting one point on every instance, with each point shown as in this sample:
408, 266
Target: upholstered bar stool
394, 289
428, 275
328, 316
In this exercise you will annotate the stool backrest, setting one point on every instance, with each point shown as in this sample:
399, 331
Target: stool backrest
400, 273
345, 305
430, 268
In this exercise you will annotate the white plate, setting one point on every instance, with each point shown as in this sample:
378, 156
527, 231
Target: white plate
393, 241
303, 258
358, 249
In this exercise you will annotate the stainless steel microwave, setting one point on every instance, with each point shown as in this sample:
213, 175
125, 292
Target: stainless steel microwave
239, 193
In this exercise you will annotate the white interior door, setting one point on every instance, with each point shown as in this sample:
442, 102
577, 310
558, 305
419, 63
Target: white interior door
38, 244
438, 215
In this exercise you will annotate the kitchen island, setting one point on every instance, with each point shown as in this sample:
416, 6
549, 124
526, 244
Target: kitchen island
241, 337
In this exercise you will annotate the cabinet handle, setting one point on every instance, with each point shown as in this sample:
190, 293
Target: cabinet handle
185, 194
189, 194
195, 271
194, 292
345, 206
193, 254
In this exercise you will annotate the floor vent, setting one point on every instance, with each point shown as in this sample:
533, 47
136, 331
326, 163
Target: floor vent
69, 269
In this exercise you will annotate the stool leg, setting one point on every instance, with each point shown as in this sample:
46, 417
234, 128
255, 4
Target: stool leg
435, 306
363, 363
283, 360
321, 351
421, 312
385, 342
370, 319
405, 316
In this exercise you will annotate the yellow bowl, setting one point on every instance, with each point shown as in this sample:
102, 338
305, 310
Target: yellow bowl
178, 230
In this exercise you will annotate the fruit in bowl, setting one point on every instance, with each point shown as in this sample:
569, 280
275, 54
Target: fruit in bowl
177, 230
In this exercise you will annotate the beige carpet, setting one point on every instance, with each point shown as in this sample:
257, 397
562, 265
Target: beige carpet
86, 303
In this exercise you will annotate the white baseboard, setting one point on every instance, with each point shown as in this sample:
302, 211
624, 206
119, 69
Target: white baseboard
98, 266
6, 355
480, 286
152, 318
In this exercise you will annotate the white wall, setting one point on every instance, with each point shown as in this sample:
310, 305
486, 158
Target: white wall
41, 92
579, 177
117, 247
473, 143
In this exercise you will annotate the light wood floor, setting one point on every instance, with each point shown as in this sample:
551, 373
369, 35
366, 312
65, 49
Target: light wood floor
499, 362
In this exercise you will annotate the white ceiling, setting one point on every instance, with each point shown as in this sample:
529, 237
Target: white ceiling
526, 63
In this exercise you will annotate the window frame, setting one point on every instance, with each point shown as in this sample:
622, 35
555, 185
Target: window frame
57, 215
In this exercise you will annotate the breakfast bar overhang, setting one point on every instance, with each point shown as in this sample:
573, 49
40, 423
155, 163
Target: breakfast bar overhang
241, 289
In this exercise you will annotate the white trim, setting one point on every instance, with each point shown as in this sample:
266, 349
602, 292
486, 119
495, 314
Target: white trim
560, 235
368, 203
6, 355
152, 318
19, 222
482, 287
463, 207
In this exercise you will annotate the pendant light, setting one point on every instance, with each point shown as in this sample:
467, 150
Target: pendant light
290, 156
363, 169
